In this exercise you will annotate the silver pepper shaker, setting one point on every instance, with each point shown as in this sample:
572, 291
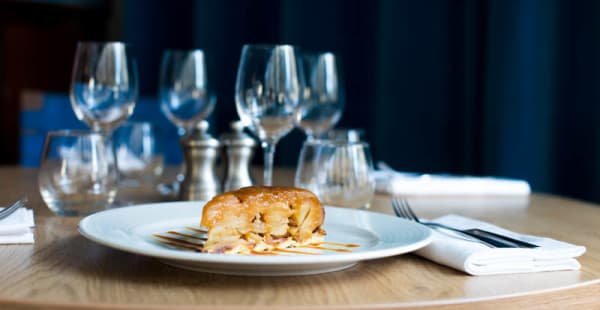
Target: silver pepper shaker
200, 151
239, 148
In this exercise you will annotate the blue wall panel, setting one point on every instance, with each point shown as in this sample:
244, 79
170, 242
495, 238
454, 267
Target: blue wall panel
54, 113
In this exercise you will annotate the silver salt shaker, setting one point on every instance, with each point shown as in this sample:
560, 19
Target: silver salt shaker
239, 148
200, 151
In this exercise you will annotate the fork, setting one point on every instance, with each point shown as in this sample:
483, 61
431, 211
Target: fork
403, 209
10, 210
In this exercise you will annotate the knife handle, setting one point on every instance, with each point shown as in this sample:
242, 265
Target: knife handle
480, 233
488, 237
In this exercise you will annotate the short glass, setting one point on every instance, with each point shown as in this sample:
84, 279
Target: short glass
338, 172
346, 134
78, 173
139, 152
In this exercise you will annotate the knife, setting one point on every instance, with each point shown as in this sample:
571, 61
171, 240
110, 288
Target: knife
495, 239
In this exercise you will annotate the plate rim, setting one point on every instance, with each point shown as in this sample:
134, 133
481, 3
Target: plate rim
304, 260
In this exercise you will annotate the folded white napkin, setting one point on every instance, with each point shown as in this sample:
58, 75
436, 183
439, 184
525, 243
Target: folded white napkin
16, 228
478, 259
399, 183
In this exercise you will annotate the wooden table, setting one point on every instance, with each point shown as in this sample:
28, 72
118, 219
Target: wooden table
63, 270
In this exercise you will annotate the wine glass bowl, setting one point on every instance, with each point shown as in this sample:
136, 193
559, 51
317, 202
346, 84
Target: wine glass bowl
339, 172
104, 84
139, 154
268, 93
323, 98
184, 94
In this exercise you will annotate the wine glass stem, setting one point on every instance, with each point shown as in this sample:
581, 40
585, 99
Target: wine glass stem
182, 131
269, 152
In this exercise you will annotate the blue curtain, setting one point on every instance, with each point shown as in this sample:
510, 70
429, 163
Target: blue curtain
506, 87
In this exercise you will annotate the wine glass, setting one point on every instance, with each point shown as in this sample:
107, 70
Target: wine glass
104, 84
268, 93
323, 98
184, 94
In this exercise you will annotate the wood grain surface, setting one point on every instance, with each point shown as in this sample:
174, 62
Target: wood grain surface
63, 270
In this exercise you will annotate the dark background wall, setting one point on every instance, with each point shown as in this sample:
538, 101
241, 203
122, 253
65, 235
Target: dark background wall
506, 88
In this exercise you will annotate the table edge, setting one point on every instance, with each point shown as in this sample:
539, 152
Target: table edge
510, 301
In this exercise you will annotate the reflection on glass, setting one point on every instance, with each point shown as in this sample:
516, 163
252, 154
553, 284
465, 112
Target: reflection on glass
184, 93
104, 86
139, 153
323, 98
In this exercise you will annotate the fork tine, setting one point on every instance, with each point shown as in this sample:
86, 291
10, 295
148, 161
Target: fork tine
395, 206
404, 210
402, 207
398, 204
9, 210
410, 211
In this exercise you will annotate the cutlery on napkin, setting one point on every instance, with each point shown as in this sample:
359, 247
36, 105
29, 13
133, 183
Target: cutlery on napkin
388, 180
16, 228
478, 259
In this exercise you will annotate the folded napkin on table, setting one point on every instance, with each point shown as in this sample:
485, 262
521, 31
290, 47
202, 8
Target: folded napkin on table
16, 228
400, 183
478, 259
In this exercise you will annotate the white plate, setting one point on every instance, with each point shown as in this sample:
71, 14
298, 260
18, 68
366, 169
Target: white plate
130, 229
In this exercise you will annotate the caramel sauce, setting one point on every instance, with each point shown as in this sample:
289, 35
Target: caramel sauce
189, 245
295, 252
271, 253
346, 245
198, 230
309, 246
176, 233
177, 240
179, 243
182, 246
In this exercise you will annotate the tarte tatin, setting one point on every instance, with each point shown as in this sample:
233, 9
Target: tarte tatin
261, 218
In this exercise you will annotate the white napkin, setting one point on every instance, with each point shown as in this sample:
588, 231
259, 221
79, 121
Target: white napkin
478, 259
16, 228
399, 183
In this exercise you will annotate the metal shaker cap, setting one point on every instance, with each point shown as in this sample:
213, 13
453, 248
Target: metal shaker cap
199, 137
237, 137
